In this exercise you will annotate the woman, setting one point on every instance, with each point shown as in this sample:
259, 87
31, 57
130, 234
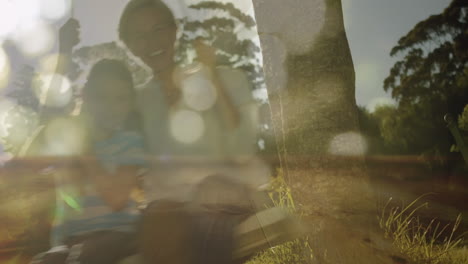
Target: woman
192, 217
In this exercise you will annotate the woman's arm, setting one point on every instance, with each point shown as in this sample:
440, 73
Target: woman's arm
229, 112
69, 37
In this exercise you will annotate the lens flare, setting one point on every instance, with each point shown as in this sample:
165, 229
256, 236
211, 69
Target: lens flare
55, 9
186, 126
348, 144
53, 90
35, 39
64, 137
379, 102
28, 11
198, 92
8, 18
70, 200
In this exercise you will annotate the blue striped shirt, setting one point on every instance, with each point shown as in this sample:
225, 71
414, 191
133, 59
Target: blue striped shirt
81, 210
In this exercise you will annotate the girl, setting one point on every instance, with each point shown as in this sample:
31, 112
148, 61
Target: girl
96, 214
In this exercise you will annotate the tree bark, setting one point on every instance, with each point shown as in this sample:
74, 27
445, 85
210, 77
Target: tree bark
311, 86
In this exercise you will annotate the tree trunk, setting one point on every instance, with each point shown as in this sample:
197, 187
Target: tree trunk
311, 86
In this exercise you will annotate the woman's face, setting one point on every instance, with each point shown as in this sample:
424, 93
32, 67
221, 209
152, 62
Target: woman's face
151, 34
111, 102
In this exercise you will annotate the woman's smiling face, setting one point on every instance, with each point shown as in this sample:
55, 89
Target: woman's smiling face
151, 35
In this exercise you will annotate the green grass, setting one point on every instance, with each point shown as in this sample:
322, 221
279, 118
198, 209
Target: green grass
294, 252
420, 242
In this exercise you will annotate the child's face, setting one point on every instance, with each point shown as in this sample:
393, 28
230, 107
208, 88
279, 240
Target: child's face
112, 102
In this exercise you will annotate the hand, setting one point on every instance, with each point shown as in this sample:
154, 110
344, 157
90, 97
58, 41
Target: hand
69, 35
206, 54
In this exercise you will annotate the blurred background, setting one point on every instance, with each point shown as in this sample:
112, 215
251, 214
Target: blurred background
407, 69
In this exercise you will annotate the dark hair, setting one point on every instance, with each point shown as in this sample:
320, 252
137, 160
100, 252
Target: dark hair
134, 5
109, 68
113, 69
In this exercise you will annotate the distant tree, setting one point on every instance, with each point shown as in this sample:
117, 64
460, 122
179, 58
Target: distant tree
370, 128
219, 27
218, 30
218, 24
22, 93
402, 131
463, 129
429, 81
85, 57
463, 119
18, 124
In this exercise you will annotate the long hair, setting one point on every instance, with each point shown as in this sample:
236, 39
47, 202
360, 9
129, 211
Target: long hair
109, 68
116, 69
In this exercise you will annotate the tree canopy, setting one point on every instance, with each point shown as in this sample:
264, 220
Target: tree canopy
429, 81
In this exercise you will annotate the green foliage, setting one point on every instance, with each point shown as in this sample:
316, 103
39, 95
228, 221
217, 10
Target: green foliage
221, 33
229, 8
19, 124
294, 252
390, 130
463, 128
85, 57
409, 131
23, 94
429, 82
370, 128
463, 119
422, 243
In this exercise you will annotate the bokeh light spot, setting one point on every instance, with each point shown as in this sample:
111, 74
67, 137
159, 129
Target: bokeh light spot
198, 92
348, 144
28, 11
186, 126
8, 18
64, 137
53, 90
55, 9
378, 102
35, 39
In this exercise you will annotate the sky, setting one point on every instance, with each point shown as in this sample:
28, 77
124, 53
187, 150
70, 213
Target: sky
373, 27
105, 30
